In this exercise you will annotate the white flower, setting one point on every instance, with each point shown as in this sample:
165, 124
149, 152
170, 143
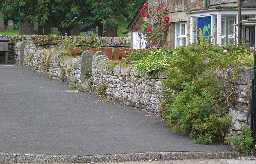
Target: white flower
206, 60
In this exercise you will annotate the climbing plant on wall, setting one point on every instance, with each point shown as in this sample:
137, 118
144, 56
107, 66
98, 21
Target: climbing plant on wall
157, 22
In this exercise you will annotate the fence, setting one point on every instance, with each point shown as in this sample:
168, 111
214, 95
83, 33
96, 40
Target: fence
116, 54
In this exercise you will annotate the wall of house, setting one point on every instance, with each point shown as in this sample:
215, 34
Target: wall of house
232, 3
223, 3
138, 40
196, 5
170, 41
249, 3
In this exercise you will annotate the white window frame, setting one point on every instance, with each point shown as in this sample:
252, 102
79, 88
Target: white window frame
225, 27
179, 36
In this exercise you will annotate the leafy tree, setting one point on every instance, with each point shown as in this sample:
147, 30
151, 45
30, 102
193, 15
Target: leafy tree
113, 13
68, 14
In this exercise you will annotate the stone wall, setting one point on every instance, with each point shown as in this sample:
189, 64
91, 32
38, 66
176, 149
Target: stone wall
240, 111
123, 83
128, 85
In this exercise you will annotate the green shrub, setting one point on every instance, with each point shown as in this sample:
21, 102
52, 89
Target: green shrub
151, 60
72, 85
189, 105
243, 142
101, 90
211, 129
195, 99
91, 41
195, 112
9, 32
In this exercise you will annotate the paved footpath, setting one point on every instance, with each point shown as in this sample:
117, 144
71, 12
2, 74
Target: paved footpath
38, 115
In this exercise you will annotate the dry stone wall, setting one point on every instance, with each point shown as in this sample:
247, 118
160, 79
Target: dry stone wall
123, 83
93, 70
128, 85
240, 111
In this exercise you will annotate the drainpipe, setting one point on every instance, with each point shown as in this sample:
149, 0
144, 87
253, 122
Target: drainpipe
206, 3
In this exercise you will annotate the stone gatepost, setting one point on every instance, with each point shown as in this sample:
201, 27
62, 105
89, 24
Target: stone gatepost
240, 112
19, 50
86, 70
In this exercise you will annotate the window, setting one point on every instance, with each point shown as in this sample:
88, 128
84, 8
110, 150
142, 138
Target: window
180, 34
228, 30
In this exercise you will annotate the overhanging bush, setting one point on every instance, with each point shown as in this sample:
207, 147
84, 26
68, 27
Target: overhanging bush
196, 101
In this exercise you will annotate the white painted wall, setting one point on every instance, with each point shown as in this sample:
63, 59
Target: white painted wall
138, 40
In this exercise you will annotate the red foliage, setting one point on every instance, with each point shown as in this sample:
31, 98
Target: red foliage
158, 22
145, 5
167, 20
149, 28
144, 10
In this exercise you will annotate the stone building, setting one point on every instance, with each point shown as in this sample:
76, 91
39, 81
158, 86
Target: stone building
215, 20
218, 22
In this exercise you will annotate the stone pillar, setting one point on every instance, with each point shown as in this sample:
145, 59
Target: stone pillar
86, 70
219, 34
19, 50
